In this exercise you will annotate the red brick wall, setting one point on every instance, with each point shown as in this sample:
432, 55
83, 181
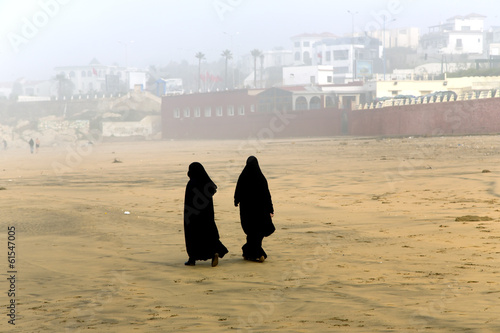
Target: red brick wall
480, 116
325, 122
450, 118
262, 126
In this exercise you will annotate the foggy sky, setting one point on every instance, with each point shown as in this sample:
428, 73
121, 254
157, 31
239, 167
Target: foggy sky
155, 32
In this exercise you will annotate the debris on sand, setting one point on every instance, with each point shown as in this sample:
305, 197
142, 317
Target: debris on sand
485, 171
2, 188
117, 161
473, 218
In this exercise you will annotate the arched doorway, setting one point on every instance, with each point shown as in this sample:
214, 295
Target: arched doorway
315, 103
301, 103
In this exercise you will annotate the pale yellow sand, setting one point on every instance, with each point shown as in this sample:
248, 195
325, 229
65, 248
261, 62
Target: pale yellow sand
366, 238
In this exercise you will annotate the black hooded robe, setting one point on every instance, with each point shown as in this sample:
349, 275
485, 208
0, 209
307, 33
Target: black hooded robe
253, 196
200, 230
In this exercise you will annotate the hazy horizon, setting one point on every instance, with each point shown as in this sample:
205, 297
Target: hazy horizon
38, 35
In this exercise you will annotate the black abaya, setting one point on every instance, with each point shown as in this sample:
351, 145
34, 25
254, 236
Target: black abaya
253, 196
200, 230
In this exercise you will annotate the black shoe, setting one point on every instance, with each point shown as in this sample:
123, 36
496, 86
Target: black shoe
190, 263
215, 260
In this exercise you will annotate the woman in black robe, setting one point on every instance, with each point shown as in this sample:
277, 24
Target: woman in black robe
200, 231
256, 209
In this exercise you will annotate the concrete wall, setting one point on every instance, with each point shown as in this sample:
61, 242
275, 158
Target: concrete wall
147, 127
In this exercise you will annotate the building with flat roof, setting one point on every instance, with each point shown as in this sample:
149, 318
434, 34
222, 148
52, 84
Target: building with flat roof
458, 35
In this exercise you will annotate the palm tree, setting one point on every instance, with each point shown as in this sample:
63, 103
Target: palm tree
255, 54
228, 55
200, 56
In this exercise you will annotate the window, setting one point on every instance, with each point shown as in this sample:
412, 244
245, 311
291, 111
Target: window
341, 70
177, 113
307, 58
297, 56
306, 44
187, 112
208, 111
312, 79
341, 55
84, 73
241, 110
465, 28
230, 110
328, 56
252, 108
297, 44
278, 61
218, 111
459, 43
197, 112
329, 79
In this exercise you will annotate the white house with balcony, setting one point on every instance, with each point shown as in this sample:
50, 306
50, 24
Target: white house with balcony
458, 35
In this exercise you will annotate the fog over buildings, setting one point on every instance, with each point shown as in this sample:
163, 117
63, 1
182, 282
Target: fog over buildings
38, 35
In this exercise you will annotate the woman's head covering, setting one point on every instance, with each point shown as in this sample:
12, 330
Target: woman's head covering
252, 161
252, 176
252, 167
197, 174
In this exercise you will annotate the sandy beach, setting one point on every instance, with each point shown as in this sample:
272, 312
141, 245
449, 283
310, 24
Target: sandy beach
367, 237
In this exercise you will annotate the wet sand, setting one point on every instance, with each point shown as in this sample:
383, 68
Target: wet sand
366, 241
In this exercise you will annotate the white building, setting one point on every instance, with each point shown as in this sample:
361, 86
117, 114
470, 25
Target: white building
267, 62
307, 75
303, 47
397, 37
45, 88
95, 77
352, 58
326, 59
277, 58
459, 35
